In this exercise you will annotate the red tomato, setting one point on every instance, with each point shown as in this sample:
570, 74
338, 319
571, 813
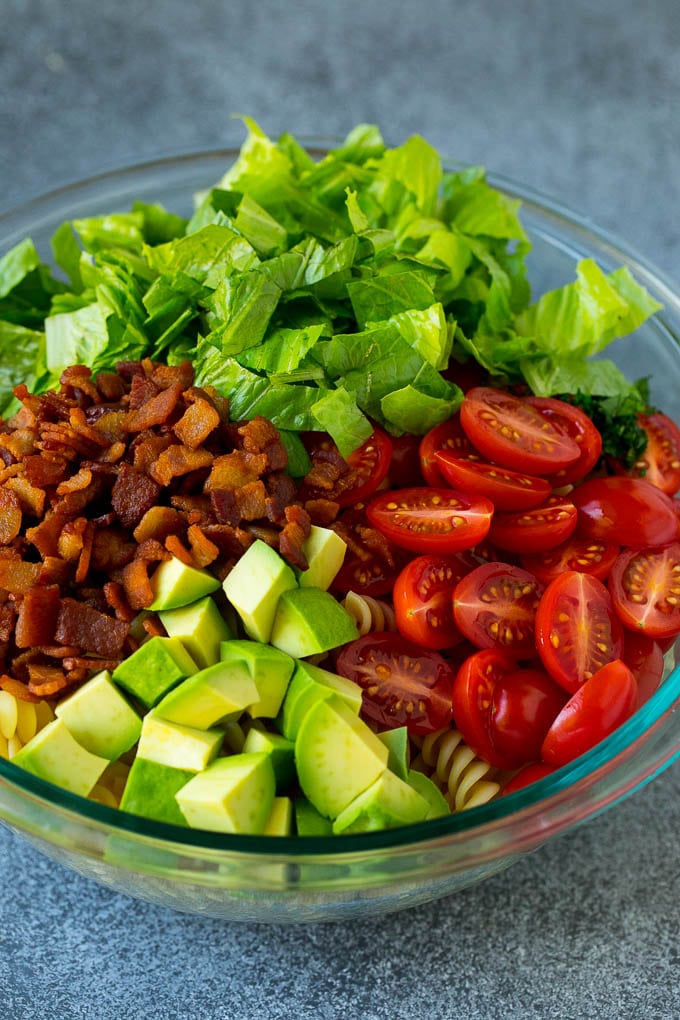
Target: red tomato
431, 520
599, 707
473, 692
510, 431
507, 490
466, 375
534, 531
660, 463
371, 563
525, 704
494, 606
645, 589
405, 464
368, 467
448, 436
577, 630
582, 554
422, 599
529, 774
574, 423
403, 685
644, 658
625, 511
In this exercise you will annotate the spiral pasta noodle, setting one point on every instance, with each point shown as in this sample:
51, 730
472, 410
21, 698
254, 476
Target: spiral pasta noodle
466, 780
369, 613
19, 721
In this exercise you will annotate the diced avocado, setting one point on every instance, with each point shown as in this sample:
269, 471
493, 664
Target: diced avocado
280, 821
387, 802
175, 584
431, 792
254, 586
150, 791
308, 821
200, 627
282, 753
337, 756
218, 693
154, 668
324, 551
311, 684
233, 794
181, 747
309, 621
100, 718
396, 742
54, 754
270, 669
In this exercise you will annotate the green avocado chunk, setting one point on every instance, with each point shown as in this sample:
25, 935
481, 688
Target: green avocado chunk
54, 754
100, 718
324, 551
175, 584
309, 621
217, 694
200, 627
280, 821
282, 754
397, 743
431, 792
154, 668
269, 668
254, 585
309, 685
150, 791
308, 821
181, 747
387, 803
233, 794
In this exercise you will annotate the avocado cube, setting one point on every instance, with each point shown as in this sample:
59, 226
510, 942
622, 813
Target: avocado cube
176, 584
100, 718
180, 747
216, 694
309, 621
54, 754
270, 669
308, 821
280, 821
338, 756
150, 791
254, 585
282, 753
200, 627
311, 684
154, 668
233, 794
324, 551
422, 784
397, 743
387, 803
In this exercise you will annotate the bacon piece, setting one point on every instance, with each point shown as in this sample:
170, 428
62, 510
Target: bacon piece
17, 689
177, 461
153, 627
114, 593
147, 451
43, 471
155, 411
17, 576
10, 516
293, 535
176, 548
224, 506
111, 550
31, 498
196, 424
233, 470
135, 579
173, 375
159, 522
8, 616
45, 536
19, 443
110, 386
322, 511
281, 492
80, 480
203, 551
142, 390
54, 570
232, 542
85, 557
251, 501
80, 624
133, 494
46, 681
76, 664
70, 543
37, 617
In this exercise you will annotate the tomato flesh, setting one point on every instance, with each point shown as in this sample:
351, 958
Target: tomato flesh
660, 463
494, 606
585, 555
423, 599
644, 658
528, 775
625, 511
472, 700
371, 563
348, 483
525, 704
574, 423
507, 490
599, 707
431, 520
534, 531
403, 684
449, 437
645, 588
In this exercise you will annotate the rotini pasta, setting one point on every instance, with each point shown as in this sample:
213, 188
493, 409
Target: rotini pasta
19, 721
369, 613
109, 789
466, 780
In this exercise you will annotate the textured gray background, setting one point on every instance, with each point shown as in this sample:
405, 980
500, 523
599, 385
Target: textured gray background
579, 99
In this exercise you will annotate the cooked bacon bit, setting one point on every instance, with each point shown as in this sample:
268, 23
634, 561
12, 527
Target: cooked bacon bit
148, 451
110, 386
158, 523
17, 689
42, 471
10, 516
176, 547
46, 681
111, 550
223, 502
173, 375
54, 570
153, 627
79, 624
177, 461
114, 453
109, 423
31, 498
80, 480
85, 553
156, 411
232, 542
251, 501
20, 443
70, 544
57, 651
192, 505
78, 378
17, 576
152, 551
281, 493
85, 663
114, 593
203, 551
132, 495
45, 536
322, 511
233, 470
142, 390
37, 617
74, 503
8, 616
196, 424
135, 579
293, 536
11, 471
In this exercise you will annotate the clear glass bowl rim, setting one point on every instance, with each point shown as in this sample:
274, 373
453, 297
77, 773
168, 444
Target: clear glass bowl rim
546, 793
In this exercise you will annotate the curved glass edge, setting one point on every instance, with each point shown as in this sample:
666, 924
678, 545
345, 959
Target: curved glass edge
540, 794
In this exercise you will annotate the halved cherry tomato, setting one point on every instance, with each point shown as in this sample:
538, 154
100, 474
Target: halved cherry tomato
448, 436
371, 563
625, 511
585, 555
494, 606
405, 464
422, 599
507, 490
577, 630
574, 423
431, 520
510, 431
645, 589
403, 684
644, 658
525, 704
660, 463
599, 707
368, 467
533, 531
529, 774
473, 691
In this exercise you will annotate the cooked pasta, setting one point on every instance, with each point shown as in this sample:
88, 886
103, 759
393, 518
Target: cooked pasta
369, 613
109, 789
465, 779
19, 721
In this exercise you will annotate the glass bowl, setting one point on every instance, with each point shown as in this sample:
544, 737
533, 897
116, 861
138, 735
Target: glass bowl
282, 879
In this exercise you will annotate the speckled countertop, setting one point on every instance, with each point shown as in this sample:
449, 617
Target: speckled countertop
578, 99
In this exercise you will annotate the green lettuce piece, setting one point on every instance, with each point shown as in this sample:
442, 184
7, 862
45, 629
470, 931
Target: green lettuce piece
547, 376
337, 413
479, 210
16, 265
158, 224
67, 254
75, 338
411, 410
283, 351
299, 463
417, 166
378, 298
428, 332
19, 351
363, 142
264, 233
117, 230
241, 308
205, 257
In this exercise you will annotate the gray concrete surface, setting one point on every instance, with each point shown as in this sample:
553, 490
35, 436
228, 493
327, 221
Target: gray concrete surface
578, 99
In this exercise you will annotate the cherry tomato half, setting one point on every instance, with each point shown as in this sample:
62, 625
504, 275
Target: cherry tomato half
577, 630
422, 599
534, 531
660, 463
525, 704
645, 589
507, 490
367, 468
625, 511
574, 423
371, 563
495, 605
403, 684
472, 700
529, 774
644, 658
510, 431
448, 436
405, 464
585, 555
431, 520
599, 707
